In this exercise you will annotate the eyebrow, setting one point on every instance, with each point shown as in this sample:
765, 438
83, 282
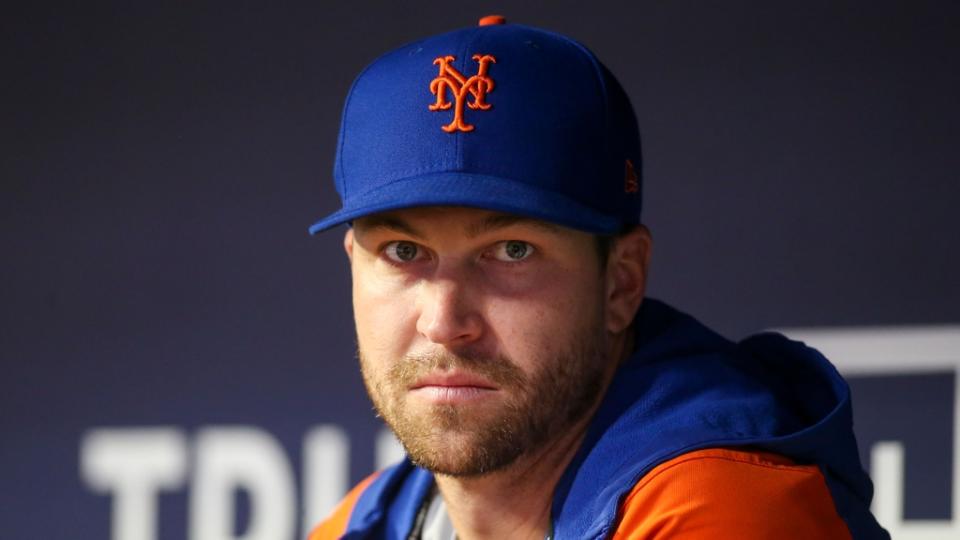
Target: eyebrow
488, 224
391, 223
500, 221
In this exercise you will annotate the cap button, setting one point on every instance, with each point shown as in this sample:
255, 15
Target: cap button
491, 20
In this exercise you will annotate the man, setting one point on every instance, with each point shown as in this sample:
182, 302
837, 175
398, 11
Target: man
490, 177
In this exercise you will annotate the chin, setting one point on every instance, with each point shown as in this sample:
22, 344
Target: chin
463, 460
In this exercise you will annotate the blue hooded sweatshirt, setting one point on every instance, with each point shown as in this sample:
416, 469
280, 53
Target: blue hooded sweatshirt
684, 388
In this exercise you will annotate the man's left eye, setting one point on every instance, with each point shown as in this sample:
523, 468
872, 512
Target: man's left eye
512, 251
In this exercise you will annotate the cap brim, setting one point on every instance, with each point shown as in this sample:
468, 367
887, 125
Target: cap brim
471, 190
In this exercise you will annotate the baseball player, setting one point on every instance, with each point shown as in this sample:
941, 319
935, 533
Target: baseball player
491, 179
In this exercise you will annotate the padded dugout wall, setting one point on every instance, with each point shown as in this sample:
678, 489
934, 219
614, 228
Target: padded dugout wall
177, 353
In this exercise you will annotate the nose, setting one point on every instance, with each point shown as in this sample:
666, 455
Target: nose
448, 314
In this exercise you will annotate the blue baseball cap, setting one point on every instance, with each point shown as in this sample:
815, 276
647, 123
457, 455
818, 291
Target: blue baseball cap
499, 116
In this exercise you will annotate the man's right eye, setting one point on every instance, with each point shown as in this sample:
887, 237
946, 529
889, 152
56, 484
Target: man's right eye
402, 251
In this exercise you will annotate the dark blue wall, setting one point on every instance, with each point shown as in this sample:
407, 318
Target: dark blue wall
160, 165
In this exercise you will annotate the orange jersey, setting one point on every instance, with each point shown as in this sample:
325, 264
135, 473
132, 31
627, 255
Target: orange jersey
721, 493
714, 493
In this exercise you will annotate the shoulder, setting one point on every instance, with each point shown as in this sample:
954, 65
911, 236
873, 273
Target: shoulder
336, 523
730, 493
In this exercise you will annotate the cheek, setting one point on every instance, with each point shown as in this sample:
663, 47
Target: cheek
540, 324
384, 317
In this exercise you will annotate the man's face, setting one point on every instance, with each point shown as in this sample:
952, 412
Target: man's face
481, 335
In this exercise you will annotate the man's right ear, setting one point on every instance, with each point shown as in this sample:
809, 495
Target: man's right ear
348, 243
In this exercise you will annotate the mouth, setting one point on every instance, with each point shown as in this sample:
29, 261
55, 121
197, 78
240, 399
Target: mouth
452, 387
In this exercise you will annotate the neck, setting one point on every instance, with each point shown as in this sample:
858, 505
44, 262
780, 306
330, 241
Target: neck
515, 502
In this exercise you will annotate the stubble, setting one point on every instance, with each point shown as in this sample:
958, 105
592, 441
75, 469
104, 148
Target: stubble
469, 440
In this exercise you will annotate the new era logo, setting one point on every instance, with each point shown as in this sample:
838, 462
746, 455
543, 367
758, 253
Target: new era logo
631, 184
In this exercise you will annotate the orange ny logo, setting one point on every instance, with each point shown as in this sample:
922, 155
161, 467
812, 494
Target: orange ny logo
449, 78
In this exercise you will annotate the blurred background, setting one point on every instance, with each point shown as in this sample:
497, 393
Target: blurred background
178, 353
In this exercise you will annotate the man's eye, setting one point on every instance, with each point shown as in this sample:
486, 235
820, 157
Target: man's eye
401, 251
512, 251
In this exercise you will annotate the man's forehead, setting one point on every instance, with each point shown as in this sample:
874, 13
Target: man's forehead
472, 222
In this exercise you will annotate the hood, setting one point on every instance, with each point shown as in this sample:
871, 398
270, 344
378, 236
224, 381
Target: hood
686, 388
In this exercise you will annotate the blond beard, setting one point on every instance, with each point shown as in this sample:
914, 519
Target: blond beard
454, 440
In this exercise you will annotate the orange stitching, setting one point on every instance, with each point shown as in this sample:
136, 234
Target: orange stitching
478, 86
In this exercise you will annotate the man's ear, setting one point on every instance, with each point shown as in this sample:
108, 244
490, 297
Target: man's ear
348, 243
627, 266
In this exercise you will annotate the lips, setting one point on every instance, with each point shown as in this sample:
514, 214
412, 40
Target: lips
452, 388
453, 380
